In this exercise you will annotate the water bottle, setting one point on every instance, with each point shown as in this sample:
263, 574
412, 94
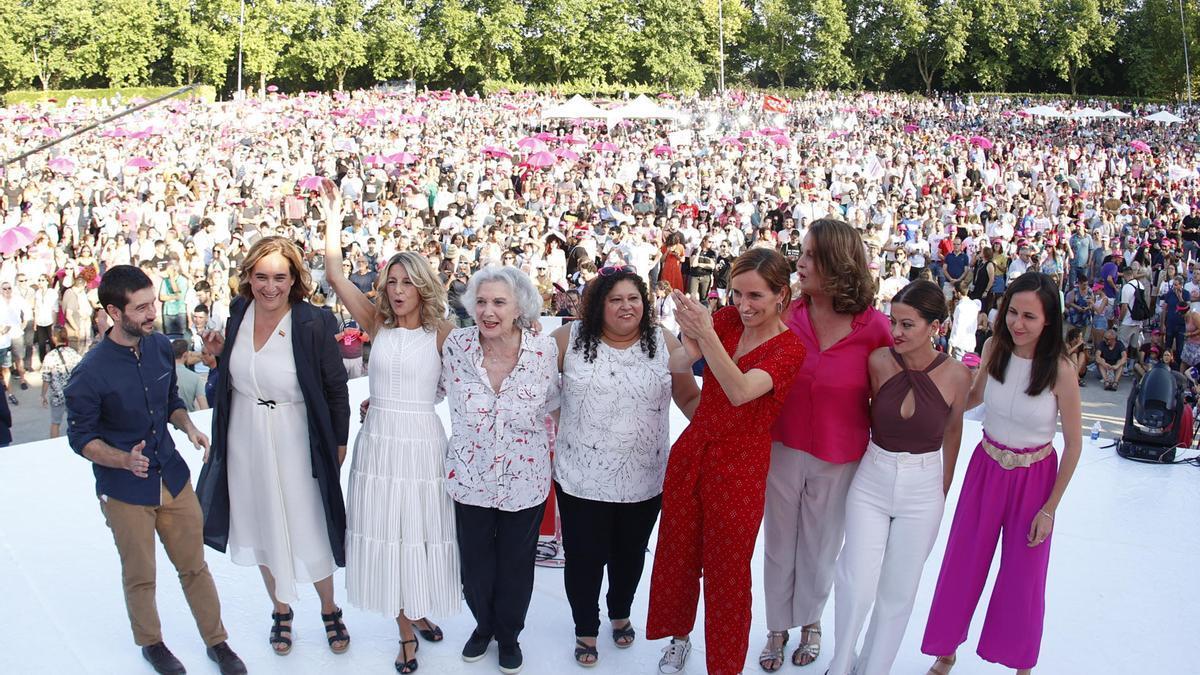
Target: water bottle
1096, 431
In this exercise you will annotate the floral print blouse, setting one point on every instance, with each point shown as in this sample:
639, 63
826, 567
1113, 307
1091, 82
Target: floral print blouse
499, 450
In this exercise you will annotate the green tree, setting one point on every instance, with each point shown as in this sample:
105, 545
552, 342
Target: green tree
581, 40
670, 43
823, 47
943, 44
201, 37
772, 46
1072, 34
396, 44
125, 40
1002, 40
329, 41
270, 29
1152, 44
882, 32
49, 40
482, 38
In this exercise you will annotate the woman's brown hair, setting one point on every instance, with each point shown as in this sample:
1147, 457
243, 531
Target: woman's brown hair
841, 260
770, 265
302, 285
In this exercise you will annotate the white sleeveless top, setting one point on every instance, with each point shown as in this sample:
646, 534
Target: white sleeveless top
1012, 417
614, 429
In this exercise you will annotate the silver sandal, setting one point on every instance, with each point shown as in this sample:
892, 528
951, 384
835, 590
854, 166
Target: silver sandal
808, 648
771, 654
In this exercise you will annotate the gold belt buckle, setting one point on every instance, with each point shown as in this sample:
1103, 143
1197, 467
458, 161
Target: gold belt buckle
1008, 459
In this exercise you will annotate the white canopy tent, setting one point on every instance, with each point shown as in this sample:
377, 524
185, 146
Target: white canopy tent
1042, 111
1115, 114
577, 108
1086, 114
1164, 117
642, 108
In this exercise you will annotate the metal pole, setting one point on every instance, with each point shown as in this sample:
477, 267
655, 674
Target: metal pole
721, 44
1187, 68
93, 125
241, 31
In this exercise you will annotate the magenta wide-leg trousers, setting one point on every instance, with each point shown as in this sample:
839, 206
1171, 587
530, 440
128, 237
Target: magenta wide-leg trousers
995, 504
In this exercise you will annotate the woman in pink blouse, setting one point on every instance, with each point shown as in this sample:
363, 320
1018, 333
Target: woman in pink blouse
820, 435
502, 383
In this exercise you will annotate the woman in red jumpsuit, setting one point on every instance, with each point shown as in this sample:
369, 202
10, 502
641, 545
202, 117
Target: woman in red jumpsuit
716, 477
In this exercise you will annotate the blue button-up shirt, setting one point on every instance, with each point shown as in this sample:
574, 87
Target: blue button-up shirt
123, 398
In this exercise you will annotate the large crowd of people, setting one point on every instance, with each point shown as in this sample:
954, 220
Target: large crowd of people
835, 269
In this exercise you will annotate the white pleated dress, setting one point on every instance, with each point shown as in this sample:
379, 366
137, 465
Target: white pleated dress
276, 516
401, 550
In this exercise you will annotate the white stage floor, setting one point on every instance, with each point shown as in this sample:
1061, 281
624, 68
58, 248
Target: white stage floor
1122, 596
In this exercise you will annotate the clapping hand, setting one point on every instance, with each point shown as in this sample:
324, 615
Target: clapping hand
693, 318
214, 342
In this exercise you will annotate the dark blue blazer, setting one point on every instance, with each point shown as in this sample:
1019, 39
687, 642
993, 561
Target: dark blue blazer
327, 402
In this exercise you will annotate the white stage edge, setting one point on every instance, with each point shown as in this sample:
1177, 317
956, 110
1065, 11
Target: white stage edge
1122, 596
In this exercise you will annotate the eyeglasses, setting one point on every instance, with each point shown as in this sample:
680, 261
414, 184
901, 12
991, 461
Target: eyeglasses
613, 269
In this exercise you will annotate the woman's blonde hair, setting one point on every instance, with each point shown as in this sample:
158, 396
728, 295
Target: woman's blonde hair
841, 260
302, 284
427, 283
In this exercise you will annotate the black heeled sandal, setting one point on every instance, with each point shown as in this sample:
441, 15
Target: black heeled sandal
409, 666
584, 650
281, 634
430, 633
333, 624
623, 637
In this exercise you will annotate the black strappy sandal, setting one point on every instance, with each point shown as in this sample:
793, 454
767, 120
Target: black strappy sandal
430, 633
409, 666
333, 624
281, 634
584, 650
623, 637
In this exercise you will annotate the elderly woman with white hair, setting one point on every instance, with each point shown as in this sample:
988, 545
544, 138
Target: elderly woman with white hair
501, 380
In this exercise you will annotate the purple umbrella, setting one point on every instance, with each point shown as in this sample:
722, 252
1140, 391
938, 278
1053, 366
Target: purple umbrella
911, 128
1140, 146
14, 239
402, 158
982, 142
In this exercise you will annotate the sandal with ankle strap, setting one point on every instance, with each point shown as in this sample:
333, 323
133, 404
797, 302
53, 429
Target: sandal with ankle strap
281, 634
430, 633
409, 666
942, 666
771, 655
333, 624
584, 650
624, 636
808, 649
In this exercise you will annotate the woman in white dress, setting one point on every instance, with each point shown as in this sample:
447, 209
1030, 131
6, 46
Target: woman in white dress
270, 492
401, 553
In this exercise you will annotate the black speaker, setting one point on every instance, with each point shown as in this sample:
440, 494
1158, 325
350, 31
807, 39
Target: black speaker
1153, 454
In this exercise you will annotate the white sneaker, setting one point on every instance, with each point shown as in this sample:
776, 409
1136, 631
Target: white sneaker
674, 656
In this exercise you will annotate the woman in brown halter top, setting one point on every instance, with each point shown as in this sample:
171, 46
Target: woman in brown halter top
896, 500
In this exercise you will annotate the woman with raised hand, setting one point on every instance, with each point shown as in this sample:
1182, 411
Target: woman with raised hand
612, 446
895, 502
820, 436
270, 491
502, 384
717, 472
401, 554
1013, 485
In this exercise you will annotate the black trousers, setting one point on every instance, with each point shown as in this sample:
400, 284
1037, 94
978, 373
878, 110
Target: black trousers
496, 552
596, 534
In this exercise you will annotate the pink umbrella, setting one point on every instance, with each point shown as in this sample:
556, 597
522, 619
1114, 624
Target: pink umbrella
771, 131
982, 142
911, 128
1007, 113
373, 160
473, 98
1140, 146
531, 143
541, 160
119, 132
311, 183
272, 88
747, 134
781, 140
496, 151
49, 132
545, 136
401, 158
665, 95
604, 146
660, 150
956, 138
563, 153
140, 163
61, 164
15, 238
572, 139
832, 135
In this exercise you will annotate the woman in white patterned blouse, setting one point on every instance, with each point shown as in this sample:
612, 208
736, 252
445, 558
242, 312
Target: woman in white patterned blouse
611, 451
501, 382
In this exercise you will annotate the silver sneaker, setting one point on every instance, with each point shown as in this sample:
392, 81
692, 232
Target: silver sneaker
674, 656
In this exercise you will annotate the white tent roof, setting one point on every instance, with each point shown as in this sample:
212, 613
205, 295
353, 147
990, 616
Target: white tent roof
642, 108
1164, 116
1114, 113
1042, 111
1086, 113
577, 108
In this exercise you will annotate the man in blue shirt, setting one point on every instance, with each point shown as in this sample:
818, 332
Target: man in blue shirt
120, 398
956, 264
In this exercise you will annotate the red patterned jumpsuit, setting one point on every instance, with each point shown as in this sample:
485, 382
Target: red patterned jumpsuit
713, 503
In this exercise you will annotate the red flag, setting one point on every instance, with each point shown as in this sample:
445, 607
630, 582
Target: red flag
775, 104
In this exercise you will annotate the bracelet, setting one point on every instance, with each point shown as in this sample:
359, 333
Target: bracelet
1043, 512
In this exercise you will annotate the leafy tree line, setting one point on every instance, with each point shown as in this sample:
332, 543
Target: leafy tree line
1115, 47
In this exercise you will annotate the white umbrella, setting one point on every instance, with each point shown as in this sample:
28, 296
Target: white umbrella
1164, 117
1115, 114
1086, 114
1042, 111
